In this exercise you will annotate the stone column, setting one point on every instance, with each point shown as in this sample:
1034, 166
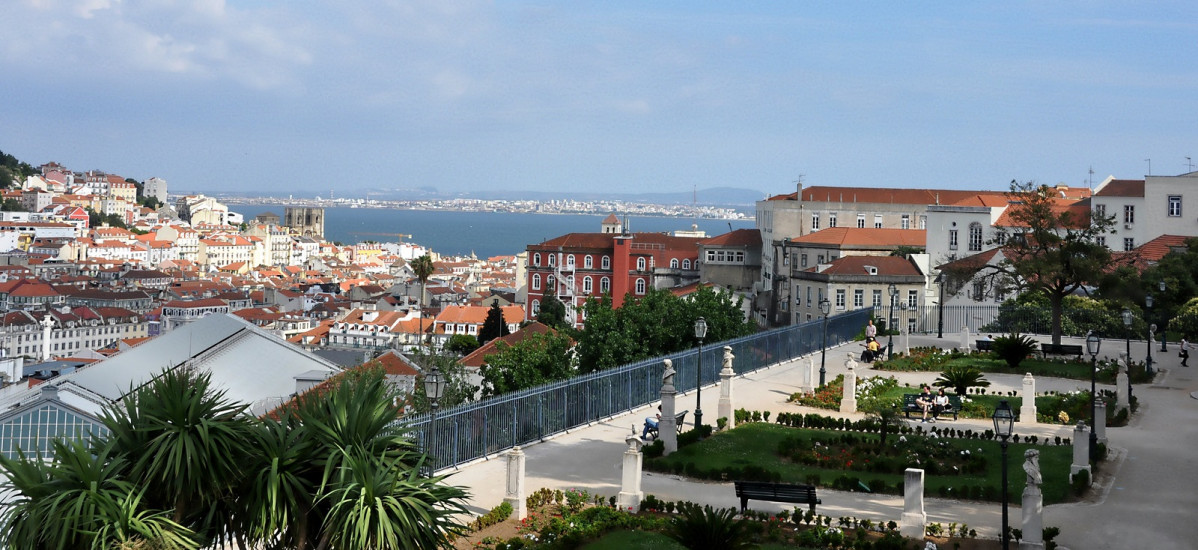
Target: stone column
848, 403
724, 408
1122, 385
514, 493
906, 340
630, 484
1100, 421
914, 520
809, 375
1081, 451
965, 343
666, 430
1027, 411
47, 323
1033, 503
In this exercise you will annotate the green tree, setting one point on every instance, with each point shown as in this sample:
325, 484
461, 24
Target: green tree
422, 268
12, 205
461, 344
494, 325
458, 388
538, 359
1055, 250
552, 312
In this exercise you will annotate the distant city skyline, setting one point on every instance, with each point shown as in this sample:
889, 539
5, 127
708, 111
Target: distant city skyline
622, 97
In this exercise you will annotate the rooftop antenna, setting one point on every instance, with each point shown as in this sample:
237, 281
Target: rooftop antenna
1149, 161
1189, 164
1090, 178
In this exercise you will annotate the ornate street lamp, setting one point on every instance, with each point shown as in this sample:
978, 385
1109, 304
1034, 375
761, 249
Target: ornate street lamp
1093, 343
434, 389
940, 306
1127, 318
1151, 329
890, 321
700, 334
1004, 422
825, 307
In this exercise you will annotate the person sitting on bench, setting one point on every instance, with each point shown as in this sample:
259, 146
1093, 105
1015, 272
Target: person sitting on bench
925, 403
651, 423
939, 404
875, 349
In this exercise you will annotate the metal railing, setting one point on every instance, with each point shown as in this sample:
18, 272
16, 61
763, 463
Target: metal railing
476, 430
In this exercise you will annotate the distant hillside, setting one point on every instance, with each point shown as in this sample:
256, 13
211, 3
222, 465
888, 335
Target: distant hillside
716, 196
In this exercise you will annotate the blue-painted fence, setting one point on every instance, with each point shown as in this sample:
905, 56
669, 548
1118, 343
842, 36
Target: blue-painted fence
483, 428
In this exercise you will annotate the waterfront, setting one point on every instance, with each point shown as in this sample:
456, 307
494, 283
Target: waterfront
482, 233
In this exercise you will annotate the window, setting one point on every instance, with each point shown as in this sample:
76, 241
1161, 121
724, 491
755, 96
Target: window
912, 298
975, 237
808, 294
536, 307
840, 298
551, 258
536, 281
640, 286
1100, 210
1129, 213
802, 260
905, 221
877, 298
923, 222
604, 285
549, 283
536, 259
570, 260
605, 263
832, 220
673, 263
1100, 240
686, 264
860, 221
979, 291
815, 222
952, 239
1174, 206
877, 221
858, 299
711, 257
586, 284
588, 262
1129, 244
640, 264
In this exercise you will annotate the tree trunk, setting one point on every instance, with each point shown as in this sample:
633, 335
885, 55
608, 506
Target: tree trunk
1056, 300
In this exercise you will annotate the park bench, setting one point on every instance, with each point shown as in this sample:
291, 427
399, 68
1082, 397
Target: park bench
775, 492
909, 405
678, 418
1047, 348
984, 345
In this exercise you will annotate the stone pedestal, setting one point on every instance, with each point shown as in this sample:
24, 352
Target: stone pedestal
1027, 411
965, 343
906, 340
848, 402
914, 520
724, 408
1122, 385
1100, 421
1033, 504
809, 375
1081, 451
630, 495
666, 428
514, 491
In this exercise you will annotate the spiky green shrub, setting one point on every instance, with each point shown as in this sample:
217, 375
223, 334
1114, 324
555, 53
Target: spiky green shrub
1013, 348
707, 528
960, 378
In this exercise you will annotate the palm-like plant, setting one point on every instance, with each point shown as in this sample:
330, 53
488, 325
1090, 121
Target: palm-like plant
423, 268
961, 378
1013, 348
706, 528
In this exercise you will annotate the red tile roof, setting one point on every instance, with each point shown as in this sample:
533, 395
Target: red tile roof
740, 237
858, 265
1121, 188
866, 236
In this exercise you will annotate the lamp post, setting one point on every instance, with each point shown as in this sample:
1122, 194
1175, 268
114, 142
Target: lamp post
825, 307
940, 306
1127, 317
700, 333
1161, 286
434, 389
1093, 342
890, 321
1151, 330
1004, 421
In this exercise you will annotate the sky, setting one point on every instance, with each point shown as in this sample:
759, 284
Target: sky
311, 96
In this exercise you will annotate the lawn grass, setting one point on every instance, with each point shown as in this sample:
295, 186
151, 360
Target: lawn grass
634, 540
1073, 369
756, 444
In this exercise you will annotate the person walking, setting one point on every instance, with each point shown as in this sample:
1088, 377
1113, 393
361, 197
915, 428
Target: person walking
1184, 354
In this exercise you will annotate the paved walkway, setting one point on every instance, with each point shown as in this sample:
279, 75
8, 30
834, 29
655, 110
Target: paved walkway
1150, 492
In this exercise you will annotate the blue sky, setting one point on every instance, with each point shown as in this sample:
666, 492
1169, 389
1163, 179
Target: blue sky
305, 96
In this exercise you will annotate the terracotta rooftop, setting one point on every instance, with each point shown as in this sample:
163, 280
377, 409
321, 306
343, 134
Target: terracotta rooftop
740, 237
1121, 188
866, 236
887, 266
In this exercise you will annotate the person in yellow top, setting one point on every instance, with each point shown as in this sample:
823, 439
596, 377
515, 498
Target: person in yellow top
875, 349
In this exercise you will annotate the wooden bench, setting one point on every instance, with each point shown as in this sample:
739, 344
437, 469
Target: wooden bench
910, 406
678, 419
984, 345
1060, 349
775, 492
